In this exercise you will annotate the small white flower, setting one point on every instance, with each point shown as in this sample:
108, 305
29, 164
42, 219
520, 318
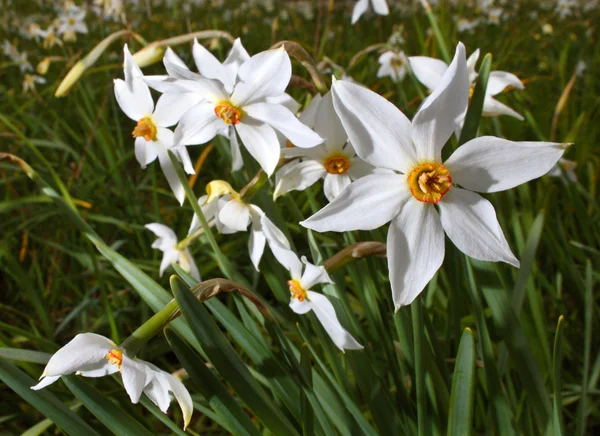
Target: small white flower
152, 137
304, 299
167, 243
384, 137
92, 355
70, 24
29, 82
429, 72
393, 65
380, 7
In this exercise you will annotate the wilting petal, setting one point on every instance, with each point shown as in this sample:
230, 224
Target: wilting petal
379, 132
146, 152
235, 215
135, 376
198, 125
440, 113
82, 350
261, 142
334, 184
428, 71
297, 176
171, 106
470, 222
415, 243
500, 80
265, 74
136, 102
329, 126
492, 107
171, 176
365, 204
359, 8
313, 275
325, 312
490, 164
46, 381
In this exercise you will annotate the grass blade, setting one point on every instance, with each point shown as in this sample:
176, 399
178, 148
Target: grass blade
463, 387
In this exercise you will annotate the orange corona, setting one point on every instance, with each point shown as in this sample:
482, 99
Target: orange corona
146, 129
337, 164
115, 357
228, 113
429, 182
298, 292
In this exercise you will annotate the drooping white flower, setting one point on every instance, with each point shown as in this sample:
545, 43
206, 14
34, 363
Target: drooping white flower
92, 355
393, 65
249, 107
380, 7
429, 72
384, 137
335, 160
304, 299
152, 137
167, 243
232, 214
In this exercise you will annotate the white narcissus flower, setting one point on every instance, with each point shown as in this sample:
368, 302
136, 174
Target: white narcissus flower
248, 107
70, 24
29, 82
335, 160
152, 137
429, 72
384, 137
232, 214
167, 243
393, 65
380, 7
92, 355
304, 299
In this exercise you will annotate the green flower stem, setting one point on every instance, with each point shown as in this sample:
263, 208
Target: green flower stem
418, 332
436, 31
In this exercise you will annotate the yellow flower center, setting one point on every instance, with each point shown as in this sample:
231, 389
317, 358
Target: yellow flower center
337, 164
146, 129
115, 357
298, 292
71, 21
228, 113
429, 182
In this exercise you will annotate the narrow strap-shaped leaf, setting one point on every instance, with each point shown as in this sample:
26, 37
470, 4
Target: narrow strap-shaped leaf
473, 117
44, 401
107, 412
556, 427
463, 388
226, 361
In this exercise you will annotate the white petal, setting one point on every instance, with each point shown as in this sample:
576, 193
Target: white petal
237, 162
169, 256
492, 107
265, 74
298, 176
98, 369
500, 80
135, 376
164, 137
137, 102
209, 66
490, 164
183, 397
256, 245
282, 119
440, 113
428, 71
82, 350
380, 7
309, 115
131, 70
360, 8
165, 84
379, 132
157, 393
171, 106
46, 381
183, 156
313, 275
365, 204
236, 56
261, 142
359, 168
329, 126
208, 89
166, 237
272, 233
300, 307
288, 259
325, 312
171, 176
415, 244
235, 215
146, 152
335, 184
198, 125
471, 63
470, 222
176, 67
191, 264
209, 210
286, 101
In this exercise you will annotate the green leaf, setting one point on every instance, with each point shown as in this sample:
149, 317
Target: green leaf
226, 361
107, 412
25, 355
463, 387
44, 401
226, 407
473, 117
557, 419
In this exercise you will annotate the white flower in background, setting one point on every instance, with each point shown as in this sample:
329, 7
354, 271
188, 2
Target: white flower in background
50, 38
384, 137
380, 7
32, 31
70, 24
466, 25
8, 49
565, 8
29, 82
495, 15
247, 107
393, 65
152, 138
304, 299
334, 161
167, 243
564, 170
92, 355
429, 72
232, 214
580, 68
21, 60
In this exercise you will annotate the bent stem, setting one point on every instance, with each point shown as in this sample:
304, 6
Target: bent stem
298, 52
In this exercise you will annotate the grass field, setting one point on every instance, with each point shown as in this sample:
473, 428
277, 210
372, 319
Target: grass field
486, 349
